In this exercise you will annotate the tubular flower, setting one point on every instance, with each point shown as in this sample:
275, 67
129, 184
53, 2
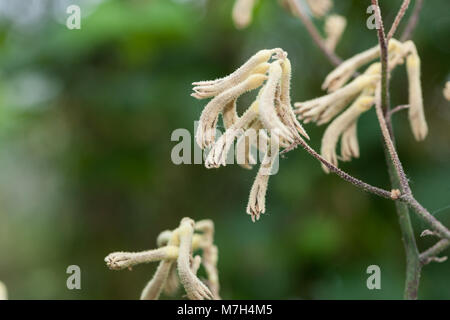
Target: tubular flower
360, 94
334, 28
416, 113
339, 76
177, 261
345, 125
268, 123
242, 13
323, 109
320, 8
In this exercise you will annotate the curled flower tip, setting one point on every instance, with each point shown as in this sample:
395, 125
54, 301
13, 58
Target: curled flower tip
349, 143
257, 199
257, 64
323, 109
163, 238
242, 13
447, 91
340, 125
205, 135
320, 8
334, 28
395, 194
122, 260
426, 233
267, 111
416, 113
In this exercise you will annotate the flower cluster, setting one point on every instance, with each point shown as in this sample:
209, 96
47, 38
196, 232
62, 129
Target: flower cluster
270, 71
357, 96
177, 262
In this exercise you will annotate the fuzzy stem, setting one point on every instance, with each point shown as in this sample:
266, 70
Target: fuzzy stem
413, 266
356, 182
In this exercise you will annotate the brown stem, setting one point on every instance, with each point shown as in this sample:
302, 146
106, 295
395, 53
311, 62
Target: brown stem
396, 109
412, 23
427, 256
356, 182
315, 35
398, 19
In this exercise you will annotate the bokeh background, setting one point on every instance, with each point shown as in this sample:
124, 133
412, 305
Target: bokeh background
86, 118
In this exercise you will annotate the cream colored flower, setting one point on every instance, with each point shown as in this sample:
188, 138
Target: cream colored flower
208, 120
323, 109
339, 76
345, 123
320, 8
447, 91
3, 292
416, 113
226, 91
334, 28
242, 13
176, 261
269, 121
257, 199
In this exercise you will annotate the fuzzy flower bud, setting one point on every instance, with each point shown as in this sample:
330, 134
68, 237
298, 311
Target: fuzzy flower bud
416, 113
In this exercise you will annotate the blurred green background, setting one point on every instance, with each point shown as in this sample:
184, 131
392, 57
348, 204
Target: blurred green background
86, 118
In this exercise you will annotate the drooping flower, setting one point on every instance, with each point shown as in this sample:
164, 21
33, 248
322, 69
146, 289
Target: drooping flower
345, 125
268, 123
175, 254
342, 94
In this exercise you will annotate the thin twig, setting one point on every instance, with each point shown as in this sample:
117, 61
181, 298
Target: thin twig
427, 255
427, 216
356, 182
412, 23
390, 145
396, 109
334, 59
398, 19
